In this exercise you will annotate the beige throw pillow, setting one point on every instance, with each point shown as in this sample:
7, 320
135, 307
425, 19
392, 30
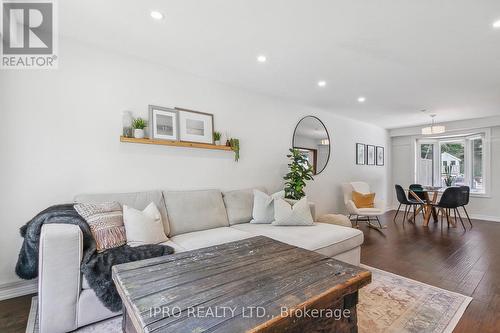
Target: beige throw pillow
263, 206
143, 227
106, 223
298, 213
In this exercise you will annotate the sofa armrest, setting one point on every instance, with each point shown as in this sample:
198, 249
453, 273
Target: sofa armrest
60, 255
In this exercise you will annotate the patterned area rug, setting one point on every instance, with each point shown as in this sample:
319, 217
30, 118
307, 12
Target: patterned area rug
391, 303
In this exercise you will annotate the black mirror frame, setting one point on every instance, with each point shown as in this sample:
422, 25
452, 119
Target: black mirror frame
327, 134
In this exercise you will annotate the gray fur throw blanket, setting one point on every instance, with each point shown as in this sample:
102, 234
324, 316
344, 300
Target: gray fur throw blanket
96, 267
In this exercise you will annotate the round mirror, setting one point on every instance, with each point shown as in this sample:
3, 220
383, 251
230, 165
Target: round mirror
312, 140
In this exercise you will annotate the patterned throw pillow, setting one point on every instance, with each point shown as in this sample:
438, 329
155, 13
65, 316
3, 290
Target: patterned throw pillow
106, 223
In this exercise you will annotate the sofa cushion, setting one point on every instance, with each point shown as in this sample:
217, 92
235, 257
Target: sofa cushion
210, 237
137, 200
190, 211
325, 238
239, 205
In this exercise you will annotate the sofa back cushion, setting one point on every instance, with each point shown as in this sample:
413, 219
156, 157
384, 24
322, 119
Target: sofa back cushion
239, 205
190, 211
137, 200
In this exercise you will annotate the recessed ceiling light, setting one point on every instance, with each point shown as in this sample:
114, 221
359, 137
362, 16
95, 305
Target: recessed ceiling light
496, 24
321, 83
156, 15
361, 99
261, 58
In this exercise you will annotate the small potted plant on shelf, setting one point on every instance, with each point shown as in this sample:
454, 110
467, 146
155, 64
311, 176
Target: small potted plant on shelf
138, 124
295, 179
235, 146
217, 136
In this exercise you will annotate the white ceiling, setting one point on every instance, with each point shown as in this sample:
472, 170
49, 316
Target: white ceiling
402, 55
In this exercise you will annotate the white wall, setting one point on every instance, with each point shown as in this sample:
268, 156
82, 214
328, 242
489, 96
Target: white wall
403, 163
60, 136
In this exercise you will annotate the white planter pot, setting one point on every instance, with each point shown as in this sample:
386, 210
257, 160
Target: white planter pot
217, 142
138, 133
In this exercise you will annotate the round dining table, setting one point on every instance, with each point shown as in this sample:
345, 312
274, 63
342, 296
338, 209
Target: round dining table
428, 201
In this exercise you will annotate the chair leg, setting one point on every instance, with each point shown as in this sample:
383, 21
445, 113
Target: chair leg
357, 220
414, 213
462, 221
397, 212
467, 214
380, 224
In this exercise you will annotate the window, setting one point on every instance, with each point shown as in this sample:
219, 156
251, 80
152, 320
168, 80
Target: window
453, 161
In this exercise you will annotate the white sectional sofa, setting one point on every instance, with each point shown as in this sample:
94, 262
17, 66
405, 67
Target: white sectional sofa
192, 220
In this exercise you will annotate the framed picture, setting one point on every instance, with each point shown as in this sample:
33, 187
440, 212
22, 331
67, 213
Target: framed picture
370, 155
163, 123
360, 154
195, 126
380, 155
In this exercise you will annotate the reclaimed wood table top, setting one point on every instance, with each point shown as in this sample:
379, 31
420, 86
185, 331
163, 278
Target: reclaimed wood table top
222, 288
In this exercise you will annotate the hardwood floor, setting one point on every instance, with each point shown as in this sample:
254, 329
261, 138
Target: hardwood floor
468, 263
14, 314
464, 262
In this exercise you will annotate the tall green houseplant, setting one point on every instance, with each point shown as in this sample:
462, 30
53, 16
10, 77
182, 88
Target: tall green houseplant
295, 179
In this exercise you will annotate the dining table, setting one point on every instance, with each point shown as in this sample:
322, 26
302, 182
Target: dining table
427, 197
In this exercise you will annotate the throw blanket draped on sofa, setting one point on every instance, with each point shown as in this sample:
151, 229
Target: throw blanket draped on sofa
96, 267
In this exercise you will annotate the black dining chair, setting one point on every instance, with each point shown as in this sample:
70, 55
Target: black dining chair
465, 201
452, 198
403, 200
419, 191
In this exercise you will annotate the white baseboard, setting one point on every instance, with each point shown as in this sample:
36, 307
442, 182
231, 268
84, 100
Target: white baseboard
485, 217
18, 288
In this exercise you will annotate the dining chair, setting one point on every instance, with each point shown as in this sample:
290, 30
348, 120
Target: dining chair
452, 198
403, 200
465, 201
418, 190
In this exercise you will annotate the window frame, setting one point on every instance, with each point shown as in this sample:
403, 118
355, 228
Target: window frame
466, 138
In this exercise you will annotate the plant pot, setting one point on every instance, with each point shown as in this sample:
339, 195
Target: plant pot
138, 133
217, 142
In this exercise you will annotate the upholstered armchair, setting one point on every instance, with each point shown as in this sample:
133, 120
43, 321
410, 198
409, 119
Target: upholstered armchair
362, 214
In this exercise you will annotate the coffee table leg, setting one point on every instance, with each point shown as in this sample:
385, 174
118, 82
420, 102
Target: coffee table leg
127, 326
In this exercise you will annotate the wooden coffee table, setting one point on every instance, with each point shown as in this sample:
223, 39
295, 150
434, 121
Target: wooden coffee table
253, 285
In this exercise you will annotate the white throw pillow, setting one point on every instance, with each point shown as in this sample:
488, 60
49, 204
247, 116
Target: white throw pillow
296, 214
263, 208
143, 227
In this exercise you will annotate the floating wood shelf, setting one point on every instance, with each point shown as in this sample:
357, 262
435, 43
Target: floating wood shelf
175, 143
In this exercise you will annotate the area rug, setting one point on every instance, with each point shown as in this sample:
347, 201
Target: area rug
391, 303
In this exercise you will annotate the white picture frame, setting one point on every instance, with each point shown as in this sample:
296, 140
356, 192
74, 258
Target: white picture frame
163, 123
195, 126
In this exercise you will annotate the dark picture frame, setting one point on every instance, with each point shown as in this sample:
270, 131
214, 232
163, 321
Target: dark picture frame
370, 155
360, 154
380, 155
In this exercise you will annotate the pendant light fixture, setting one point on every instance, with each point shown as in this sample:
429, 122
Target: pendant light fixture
433, 129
